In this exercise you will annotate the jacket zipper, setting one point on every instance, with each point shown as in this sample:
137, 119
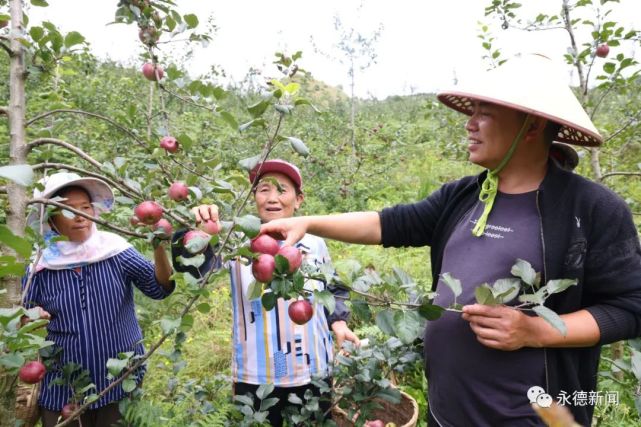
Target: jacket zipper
544, 277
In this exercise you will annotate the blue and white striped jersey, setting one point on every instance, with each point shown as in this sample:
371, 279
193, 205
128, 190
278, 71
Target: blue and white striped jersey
93, 318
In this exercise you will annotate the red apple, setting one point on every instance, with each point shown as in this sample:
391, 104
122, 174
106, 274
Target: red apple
265, 244
148, 36
134, 221
210, 227
196, 241
375, 423
263, 268
148, 212
178, 191
32, 372
150, 72
169, 143
69, 409
164, 226
293, 255
300, 311
602, 50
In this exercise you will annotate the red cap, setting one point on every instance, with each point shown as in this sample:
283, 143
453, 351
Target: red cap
280, 166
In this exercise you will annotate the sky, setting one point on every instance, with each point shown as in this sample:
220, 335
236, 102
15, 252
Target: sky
423, 45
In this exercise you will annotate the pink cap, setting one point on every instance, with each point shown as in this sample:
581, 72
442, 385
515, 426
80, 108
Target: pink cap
280, 166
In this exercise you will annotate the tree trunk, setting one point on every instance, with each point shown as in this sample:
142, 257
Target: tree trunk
17, 196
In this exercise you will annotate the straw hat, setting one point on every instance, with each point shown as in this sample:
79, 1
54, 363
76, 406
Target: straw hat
532, 84
102, 198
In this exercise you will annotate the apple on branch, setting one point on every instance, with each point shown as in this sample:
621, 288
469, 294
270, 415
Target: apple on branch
210, 227
196, 241
150, 72
164, 227
32, 372
293, 256
264, 244
148, 212
169, 144
602, 50
263, 268
149, 36
300, 311
68, 409
178, 191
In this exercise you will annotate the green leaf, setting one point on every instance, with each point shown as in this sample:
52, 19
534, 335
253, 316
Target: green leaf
128, 385
552, 318
248, 224
249, 163
229, 119
283, 109
203, 308
505, 290
191, 20
19, 244
292, 88
430, 311
282, 264
12, 360
292, 398
636, 364
168, 325
407, 325
385, 321
268, 403
254, 122
304, 101
36, 33
298, 146
194, 261
40, 3
326, 299
254, 290
73, 38
390, 394
20, 174
268, 300
484, 295
245, 400
559, 285
116, 365
609, 67
524, 270
452, 283
536, 298
264, 390
258, 108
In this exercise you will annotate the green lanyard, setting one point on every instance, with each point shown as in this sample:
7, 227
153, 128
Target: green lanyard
490, 186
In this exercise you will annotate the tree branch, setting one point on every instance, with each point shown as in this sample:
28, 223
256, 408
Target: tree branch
42, 141
90, 114
83, 214
108, 180
187, 100
608, 175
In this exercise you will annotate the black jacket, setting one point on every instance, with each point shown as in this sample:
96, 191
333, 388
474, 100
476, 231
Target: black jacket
588, 235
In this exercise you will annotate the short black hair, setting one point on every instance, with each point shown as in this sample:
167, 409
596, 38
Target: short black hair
62, 192
551, 132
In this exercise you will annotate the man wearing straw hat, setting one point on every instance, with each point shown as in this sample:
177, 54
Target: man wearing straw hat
481, 364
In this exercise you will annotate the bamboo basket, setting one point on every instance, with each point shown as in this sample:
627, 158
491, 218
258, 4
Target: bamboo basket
403, 414
27, 408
